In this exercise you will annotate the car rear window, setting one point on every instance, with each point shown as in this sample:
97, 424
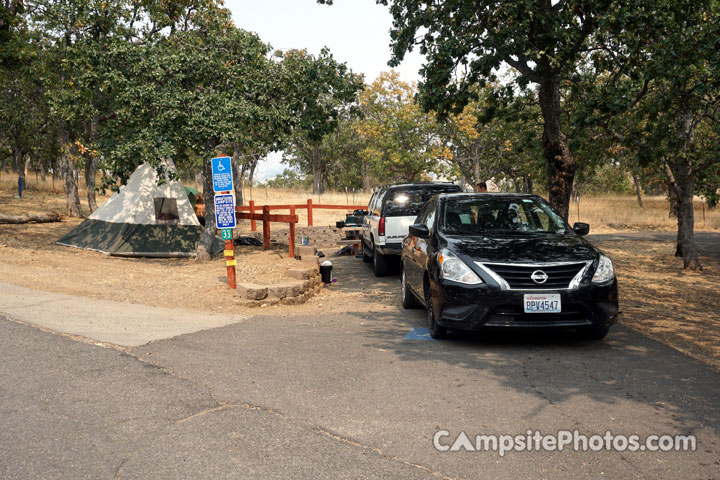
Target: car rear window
407, 202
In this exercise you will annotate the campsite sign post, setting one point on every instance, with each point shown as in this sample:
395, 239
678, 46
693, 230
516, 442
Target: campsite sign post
225, 210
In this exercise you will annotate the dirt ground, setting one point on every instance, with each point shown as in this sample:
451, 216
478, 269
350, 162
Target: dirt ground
677, 308
29, 257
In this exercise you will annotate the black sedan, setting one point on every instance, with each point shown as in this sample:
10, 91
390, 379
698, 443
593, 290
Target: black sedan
505, 261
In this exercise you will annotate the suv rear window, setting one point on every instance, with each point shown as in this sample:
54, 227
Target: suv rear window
407, 201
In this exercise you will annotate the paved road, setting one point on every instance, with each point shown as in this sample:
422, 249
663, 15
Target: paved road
343, 396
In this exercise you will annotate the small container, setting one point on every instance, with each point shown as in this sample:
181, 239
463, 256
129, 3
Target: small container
326, 271
306, 240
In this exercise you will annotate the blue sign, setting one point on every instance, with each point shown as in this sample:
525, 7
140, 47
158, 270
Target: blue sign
225, 211
222, 174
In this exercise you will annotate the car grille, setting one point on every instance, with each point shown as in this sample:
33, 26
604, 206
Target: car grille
513, 315
518, 276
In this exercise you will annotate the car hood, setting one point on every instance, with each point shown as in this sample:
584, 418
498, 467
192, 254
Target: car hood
532, 248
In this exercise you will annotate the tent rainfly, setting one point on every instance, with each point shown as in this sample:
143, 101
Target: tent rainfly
143, 219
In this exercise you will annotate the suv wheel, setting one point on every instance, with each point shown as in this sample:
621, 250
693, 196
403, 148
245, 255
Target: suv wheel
408, 299
366, 253
380, 263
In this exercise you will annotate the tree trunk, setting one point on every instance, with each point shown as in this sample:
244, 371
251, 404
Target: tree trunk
67, 171
204, 248
518, 185
31, 218
476, 172
251, 172
91, 164
367, 186
237, 174
682, 181
528, 184
559, 160
19, 166
317, 169
637, 190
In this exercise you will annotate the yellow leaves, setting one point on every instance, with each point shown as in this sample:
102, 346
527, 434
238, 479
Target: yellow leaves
83, 150
80, 147
508, 145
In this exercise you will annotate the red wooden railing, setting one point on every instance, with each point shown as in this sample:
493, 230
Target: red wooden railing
309, 206
248, 213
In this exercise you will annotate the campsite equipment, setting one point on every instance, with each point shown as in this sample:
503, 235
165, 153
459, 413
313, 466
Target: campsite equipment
142, 219
326, 271
306, 240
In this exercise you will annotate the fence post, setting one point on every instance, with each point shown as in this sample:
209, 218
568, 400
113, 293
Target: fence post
309, 209
253, 225
230, 263
266, 227
292, 233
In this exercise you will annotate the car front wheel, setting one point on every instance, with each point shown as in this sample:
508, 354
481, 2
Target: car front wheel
408, 299
595, 333
436, 331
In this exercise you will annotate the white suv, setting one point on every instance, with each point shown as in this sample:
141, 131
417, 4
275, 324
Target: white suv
391, 211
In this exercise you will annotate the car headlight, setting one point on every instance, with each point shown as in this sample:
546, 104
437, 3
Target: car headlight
605, 270
452, 268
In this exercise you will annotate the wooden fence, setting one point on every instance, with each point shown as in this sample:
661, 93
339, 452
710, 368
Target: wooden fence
248, 213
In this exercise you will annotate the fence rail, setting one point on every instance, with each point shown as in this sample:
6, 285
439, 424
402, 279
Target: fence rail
248, 212
309, 206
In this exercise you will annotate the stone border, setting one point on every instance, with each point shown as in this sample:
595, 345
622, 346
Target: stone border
303, 282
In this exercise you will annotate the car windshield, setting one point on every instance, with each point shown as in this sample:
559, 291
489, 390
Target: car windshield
407, 202
497, 214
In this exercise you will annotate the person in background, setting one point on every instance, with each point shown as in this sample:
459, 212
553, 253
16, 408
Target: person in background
200, 209
481, 187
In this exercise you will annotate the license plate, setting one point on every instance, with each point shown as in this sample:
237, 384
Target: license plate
549, 303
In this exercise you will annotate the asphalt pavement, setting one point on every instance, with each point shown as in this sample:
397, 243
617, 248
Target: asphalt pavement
343, 396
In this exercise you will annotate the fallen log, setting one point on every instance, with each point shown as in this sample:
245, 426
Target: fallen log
31, 218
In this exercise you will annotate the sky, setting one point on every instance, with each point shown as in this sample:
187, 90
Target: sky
355, 31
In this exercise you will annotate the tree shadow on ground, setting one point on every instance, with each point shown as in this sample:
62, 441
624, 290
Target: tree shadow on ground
558, 366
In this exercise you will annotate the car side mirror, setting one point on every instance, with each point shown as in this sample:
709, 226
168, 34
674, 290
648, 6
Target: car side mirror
581, 228
420, 230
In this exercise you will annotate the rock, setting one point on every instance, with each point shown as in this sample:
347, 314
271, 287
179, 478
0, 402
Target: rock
283, 290
312, 259
305, 250
251, 291
300, 273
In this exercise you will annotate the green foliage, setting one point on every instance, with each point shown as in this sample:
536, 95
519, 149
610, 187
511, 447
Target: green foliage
319, 91
401, 141
495, 139
290, 178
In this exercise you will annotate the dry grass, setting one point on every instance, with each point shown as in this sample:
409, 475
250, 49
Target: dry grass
278, 196
605, 214
613, 213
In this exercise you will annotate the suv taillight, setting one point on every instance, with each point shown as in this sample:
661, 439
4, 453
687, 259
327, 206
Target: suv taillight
381, 227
